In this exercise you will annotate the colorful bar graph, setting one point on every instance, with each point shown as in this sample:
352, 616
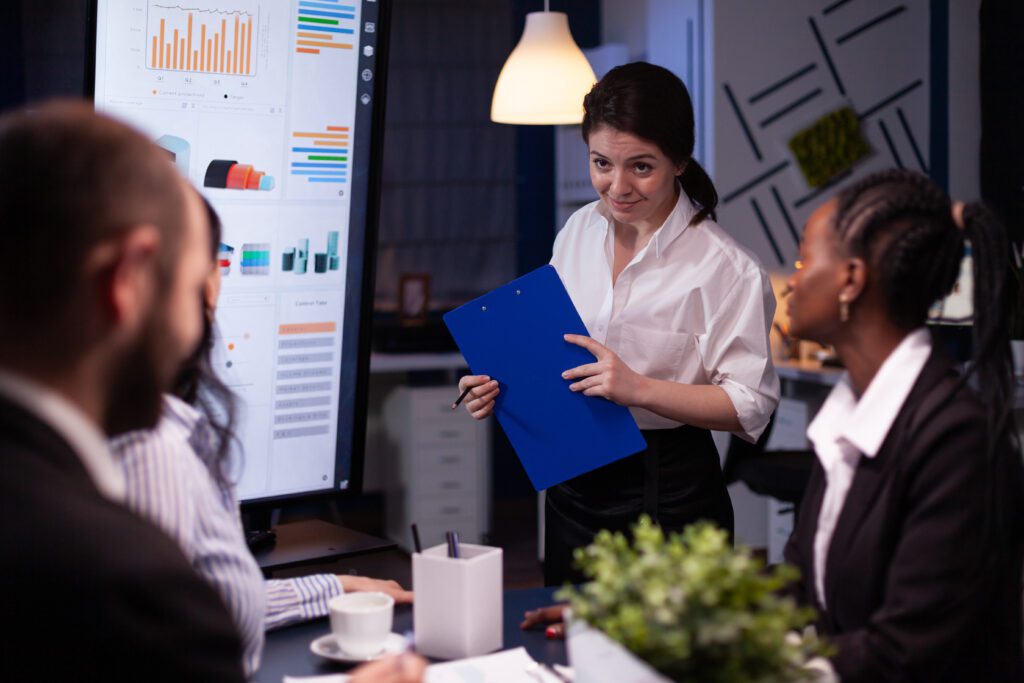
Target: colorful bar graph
318, 23
202, 41
326, 160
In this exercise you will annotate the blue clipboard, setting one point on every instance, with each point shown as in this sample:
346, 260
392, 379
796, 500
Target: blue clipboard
515, 335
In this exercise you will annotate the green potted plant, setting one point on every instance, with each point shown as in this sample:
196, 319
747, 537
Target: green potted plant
692, 607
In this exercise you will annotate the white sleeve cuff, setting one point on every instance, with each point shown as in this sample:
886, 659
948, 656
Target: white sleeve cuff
752, 409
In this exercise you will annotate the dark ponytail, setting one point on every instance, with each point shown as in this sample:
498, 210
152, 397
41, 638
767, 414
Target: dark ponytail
651, 103
991, 358
698, 187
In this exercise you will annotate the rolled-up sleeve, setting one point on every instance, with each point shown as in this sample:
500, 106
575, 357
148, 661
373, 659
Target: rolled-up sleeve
736, 351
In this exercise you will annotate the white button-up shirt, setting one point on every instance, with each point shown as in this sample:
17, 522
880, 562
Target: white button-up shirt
845, 430
692, 307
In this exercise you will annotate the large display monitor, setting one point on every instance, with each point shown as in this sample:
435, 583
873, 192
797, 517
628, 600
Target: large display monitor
274, 110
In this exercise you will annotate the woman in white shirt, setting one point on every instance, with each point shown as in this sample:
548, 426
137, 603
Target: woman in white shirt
175, 476
678, 312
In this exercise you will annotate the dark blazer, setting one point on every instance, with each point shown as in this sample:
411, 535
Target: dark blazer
88, 590
917, 590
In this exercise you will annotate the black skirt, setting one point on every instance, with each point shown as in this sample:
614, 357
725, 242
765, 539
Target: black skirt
677, 481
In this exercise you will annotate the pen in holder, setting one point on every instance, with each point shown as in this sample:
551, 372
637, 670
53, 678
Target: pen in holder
457, 608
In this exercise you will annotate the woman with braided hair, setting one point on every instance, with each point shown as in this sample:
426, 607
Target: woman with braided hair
911, 545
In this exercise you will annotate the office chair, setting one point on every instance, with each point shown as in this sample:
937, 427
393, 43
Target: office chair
783, 475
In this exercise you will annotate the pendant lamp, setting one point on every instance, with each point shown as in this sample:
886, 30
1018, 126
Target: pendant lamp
546, 76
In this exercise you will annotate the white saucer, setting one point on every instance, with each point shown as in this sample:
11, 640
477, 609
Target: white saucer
326, 646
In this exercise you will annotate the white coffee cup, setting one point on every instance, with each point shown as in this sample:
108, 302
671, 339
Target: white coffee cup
361, 622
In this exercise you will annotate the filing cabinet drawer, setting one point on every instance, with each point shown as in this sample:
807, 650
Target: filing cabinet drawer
435, 403
444, 482
444, 433
450, 507
428, 459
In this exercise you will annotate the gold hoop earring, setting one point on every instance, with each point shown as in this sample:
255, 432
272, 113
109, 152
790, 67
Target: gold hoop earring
844, 309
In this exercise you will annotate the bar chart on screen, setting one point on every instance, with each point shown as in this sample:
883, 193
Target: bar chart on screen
321, 156
324, 26
216, 39
212, 54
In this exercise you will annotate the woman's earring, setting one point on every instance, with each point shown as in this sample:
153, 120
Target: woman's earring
844, 309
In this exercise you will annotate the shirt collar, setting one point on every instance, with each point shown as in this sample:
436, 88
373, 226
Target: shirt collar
865, 423
81, 433
182, 413
675, 225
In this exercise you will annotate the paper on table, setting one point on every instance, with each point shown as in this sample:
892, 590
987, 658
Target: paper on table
509, 666
595, 658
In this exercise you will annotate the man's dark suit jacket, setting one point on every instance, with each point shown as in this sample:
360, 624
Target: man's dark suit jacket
919, 586
88, 590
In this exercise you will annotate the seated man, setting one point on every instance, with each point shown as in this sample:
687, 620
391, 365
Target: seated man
98, 308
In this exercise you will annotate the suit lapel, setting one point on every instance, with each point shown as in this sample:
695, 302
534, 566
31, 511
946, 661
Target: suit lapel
20, 426
873, 472
807, 525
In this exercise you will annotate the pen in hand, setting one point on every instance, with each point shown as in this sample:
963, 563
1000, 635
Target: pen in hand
461, 398
465, 393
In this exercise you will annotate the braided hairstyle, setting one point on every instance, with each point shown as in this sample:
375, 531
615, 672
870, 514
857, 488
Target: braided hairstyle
902, 225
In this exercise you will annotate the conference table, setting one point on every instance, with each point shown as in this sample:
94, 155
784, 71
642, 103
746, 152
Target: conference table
287, 650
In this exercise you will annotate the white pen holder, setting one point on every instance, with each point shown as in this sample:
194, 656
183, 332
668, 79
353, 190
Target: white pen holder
457, 608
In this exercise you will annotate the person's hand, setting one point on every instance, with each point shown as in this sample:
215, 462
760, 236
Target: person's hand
480, 401
364, 584
404, 668
551, 617
608, 377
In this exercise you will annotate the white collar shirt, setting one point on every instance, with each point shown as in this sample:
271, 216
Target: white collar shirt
81, 433
693, 307
847, 429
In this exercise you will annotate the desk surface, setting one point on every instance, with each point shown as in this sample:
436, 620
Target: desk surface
287, 650
312, 541
807, 371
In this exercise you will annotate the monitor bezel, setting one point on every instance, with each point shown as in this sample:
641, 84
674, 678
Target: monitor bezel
369, 264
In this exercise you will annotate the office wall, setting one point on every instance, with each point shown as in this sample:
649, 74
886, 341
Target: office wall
881, 64
780, 66
964, 100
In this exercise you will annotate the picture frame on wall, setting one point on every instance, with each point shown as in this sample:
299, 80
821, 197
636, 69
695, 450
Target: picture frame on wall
413, 298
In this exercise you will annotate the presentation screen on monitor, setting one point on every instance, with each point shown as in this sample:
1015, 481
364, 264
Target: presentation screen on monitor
270, 107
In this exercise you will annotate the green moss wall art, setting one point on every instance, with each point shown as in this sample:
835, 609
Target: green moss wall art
829, 146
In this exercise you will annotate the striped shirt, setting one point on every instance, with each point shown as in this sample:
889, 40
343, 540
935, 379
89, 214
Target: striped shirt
168, 477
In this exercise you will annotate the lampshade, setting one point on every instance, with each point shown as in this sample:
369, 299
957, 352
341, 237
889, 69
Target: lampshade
546, 76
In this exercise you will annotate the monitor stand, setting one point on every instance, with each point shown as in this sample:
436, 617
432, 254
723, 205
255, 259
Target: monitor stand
294, 544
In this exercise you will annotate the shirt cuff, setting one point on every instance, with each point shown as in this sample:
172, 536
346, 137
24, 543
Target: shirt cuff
290, 601
752, 409
823, 671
